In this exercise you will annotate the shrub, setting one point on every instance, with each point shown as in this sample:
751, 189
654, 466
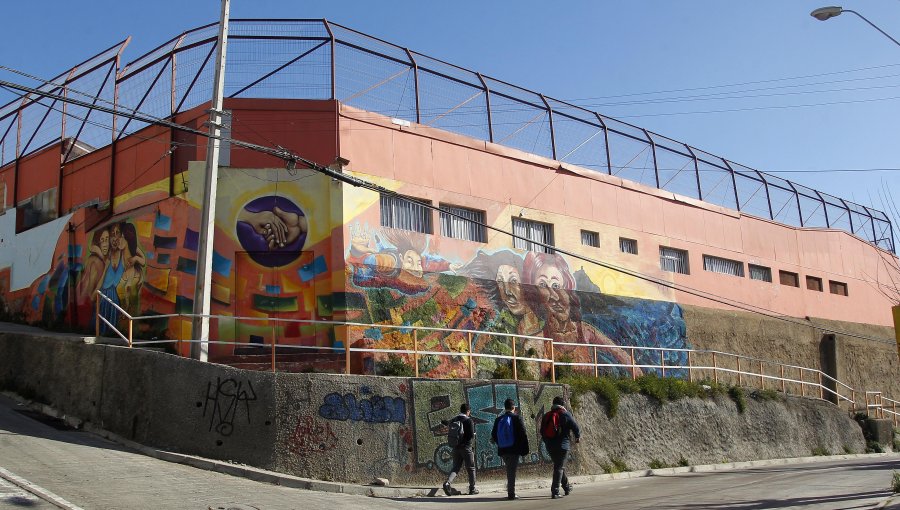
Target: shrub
895, 482
565, 371
820, 451
503, 371
740, 398
395, 365
682, 462
658, 464
616, 466
874, 447
767, 394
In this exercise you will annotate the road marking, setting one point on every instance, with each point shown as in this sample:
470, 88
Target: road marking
37, 490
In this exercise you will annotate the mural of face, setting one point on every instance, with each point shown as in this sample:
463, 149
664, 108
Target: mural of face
104, 243
116, 241
412, 262
508, 283
554, 295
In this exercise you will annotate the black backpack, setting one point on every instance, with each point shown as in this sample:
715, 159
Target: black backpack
456, 432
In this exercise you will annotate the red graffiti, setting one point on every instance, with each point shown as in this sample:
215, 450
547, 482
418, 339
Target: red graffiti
311, 437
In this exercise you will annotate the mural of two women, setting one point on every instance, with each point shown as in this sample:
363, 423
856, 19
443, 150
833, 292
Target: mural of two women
115, 268
536, 297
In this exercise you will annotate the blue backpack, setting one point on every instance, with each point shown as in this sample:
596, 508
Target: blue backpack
506, 436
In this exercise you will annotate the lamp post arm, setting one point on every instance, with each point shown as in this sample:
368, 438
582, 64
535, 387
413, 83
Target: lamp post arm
873, 25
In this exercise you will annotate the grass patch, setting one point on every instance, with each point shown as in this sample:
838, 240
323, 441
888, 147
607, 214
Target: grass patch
820, 451
895, 482
615, 466
874, 447
394, 365
682, 462
658, 464
739, 396
767, 394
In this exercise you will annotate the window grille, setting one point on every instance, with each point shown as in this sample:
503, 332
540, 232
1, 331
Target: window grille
839, 288
813, 283
589, 238
724, 266
628, 246
761, 273
673, 260
788, 278
405, 213
462, 223
532, 231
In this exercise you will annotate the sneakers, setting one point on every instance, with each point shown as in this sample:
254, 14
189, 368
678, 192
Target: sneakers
473, 491
567, 489
512, 496
447, 490
555, 495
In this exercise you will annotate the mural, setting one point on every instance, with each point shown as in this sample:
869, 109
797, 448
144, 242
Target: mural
397, 280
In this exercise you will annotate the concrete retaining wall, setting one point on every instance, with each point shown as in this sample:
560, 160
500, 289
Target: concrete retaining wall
354, 428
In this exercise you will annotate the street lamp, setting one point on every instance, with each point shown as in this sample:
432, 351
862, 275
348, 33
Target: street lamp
826, 13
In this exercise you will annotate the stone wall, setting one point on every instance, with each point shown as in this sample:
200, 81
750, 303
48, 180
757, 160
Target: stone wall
355, 428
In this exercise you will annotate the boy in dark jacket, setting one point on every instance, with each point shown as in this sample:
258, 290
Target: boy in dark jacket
510, 423
558, 445
463, 452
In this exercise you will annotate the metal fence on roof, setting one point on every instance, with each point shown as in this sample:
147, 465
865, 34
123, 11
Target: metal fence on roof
317, 59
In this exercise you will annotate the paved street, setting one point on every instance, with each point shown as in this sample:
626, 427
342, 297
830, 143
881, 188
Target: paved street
81, 470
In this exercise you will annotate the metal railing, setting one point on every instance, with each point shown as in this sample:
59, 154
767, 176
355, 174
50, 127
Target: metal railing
699, 365
317, 59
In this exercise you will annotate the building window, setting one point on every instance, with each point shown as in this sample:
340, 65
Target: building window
589, 238
839, 288
462, 223
532, 231
760, 273
788, 278
724, 266
628, 246
813, 283
406, 213
673, 260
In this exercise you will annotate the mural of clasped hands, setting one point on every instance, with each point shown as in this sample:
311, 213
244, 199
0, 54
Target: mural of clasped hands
279, 227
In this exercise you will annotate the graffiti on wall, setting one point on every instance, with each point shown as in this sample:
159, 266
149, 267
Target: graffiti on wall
224, 401
398, 280
312, 436
370, 409
435, 400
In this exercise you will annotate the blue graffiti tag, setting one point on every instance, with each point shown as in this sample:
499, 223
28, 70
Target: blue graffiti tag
374, 409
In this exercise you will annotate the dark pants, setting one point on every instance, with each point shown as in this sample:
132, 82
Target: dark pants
512, 464
463, 455
559, 458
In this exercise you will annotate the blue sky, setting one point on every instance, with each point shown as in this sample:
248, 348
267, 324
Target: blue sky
599, 54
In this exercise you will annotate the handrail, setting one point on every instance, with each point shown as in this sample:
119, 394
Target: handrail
874, 400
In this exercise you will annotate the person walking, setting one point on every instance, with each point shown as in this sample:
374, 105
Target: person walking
460, 435
511, 438
556, 428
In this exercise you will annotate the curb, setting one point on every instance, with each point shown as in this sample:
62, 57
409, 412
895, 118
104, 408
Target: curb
285, 480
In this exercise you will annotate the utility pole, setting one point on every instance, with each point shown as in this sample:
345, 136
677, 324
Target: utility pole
200, 322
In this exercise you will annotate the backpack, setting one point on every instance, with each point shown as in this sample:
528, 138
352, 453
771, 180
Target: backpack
455, 433
506, 436
551, 426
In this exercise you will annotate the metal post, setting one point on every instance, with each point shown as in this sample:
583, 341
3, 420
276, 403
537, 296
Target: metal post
97, 299
662, 362
596, 363
471, 364
416, 352
347, 352
690, 369
273, 347
821, 387
552, 362
203, 281
715, 369
783, 387
740, 378
762, 380
633, 366
130, 332
802, 387
514, 364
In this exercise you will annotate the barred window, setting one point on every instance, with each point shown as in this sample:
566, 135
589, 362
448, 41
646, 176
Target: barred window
724, 266
589, 238
814, 283
462, 223
673, 260
761, 273
532, 231
628, 246
406, 213
788, 278
839, 288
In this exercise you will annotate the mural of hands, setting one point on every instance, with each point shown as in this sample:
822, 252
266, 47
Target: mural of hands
272, 229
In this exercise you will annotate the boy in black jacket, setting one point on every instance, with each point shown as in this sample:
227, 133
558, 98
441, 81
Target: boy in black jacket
558, 445
463, 452
510, 423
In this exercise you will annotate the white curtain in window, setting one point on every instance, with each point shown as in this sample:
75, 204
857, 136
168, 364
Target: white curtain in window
463, 223
405, 213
